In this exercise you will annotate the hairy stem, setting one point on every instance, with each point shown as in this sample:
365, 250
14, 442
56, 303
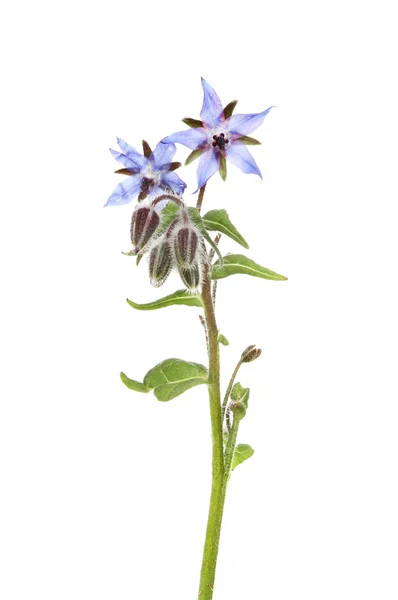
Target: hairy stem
217, 497
229, 388
213, 535
229, 453
200, 197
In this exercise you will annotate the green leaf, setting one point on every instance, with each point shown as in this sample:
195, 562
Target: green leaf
173, 376
223, 168
133, 385
218, 220
198, 222
192, 122
167, 216
193, 156
179, 297
248, 141
242, 453
237, 263
223, 340
240, 394
229, 109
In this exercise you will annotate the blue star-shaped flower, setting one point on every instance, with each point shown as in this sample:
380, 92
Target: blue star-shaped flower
149, 173
219, 136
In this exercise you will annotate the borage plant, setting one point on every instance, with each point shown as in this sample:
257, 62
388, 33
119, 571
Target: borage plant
176, 237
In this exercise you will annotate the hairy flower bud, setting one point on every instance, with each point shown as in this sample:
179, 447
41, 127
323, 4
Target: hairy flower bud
186, 242
190, 277
144, 222
160, 262
250, 354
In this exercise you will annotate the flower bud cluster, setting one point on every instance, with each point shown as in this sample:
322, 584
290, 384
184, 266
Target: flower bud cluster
177, 245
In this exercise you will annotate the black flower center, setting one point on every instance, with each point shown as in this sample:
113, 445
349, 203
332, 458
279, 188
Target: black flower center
146, 183
220, 141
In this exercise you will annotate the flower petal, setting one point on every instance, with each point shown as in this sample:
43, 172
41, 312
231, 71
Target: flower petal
163, 155
240, 156
208, 165
192, 138
212, 110
245, 124
125, 192
131, 153
122, 158
174, 182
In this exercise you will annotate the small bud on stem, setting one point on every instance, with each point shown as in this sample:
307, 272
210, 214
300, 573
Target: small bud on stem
250, 354
144, 223
160, 262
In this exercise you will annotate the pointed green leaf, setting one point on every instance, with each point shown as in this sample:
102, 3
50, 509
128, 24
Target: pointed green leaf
173, 376
167, 216
223, 340
242, 452
218, 220
198, 221
133, 385
240, 394
192, 122
248, 141
193, 156
237, 263
179, 297
229, 109
167, 392
223, 168
129, 253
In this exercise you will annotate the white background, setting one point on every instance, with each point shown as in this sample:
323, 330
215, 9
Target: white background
105, 492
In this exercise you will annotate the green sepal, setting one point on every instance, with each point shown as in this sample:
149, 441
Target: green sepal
136, 386
222, 340
179, 297
198, 222
173, 376
229, 109
238, 264
193, 156
139, 257
192, 122
248, 141
218, 220
242, 452
129, 253
223, 167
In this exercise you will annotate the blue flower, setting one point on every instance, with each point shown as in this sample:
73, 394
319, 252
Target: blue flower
149, 173
219, 136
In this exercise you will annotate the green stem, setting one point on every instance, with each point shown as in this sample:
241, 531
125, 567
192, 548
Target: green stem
214, 524
229, 453
200, 197
229, 388
210, 552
